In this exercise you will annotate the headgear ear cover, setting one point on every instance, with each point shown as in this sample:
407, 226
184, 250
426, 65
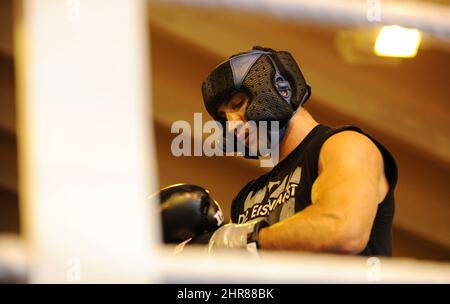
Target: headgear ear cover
271, 79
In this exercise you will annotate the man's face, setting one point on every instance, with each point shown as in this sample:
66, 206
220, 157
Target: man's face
234, 112
234, 109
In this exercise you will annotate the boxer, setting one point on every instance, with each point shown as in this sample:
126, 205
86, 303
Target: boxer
333, 187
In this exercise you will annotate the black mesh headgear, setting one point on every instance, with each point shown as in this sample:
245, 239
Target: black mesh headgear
271, 79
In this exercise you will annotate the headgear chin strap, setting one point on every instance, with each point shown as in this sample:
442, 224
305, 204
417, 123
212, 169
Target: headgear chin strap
271, 79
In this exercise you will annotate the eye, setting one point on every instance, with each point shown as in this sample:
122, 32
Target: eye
239, 104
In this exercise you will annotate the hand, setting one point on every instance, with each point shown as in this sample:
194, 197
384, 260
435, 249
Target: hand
237, 236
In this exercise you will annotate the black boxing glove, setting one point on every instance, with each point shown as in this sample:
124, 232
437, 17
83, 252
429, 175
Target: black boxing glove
188, 212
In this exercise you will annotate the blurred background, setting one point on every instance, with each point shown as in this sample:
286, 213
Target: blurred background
403, 102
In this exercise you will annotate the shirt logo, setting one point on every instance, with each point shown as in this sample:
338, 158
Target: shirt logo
262, 202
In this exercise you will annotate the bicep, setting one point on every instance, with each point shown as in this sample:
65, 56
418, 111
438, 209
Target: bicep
350, 181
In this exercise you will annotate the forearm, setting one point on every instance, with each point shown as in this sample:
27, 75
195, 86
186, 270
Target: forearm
313, 229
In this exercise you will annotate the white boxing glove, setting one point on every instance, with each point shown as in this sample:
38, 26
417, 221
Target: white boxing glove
237, 236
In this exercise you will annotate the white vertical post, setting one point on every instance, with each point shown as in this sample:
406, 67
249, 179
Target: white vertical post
86, 156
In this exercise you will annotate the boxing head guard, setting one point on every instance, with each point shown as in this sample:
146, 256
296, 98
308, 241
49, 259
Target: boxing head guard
271, 79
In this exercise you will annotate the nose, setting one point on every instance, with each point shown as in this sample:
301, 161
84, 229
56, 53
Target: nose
235, 119
235, 116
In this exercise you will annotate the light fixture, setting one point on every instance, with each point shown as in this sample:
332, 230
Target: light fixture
397, 41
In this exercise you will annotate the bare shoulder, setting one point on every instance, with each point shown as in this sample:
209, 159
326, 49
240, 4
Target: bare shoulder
351, 148
349, 155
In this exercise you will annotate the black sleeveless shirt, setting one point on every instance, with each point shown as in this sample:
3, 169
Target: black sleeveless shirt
286, 189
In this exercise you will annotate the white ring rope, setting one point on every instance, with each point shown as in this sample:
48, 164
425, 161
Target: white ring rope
428, 17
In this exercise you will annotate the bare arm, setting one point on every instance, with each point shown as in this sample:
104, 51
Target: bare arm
350, 185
